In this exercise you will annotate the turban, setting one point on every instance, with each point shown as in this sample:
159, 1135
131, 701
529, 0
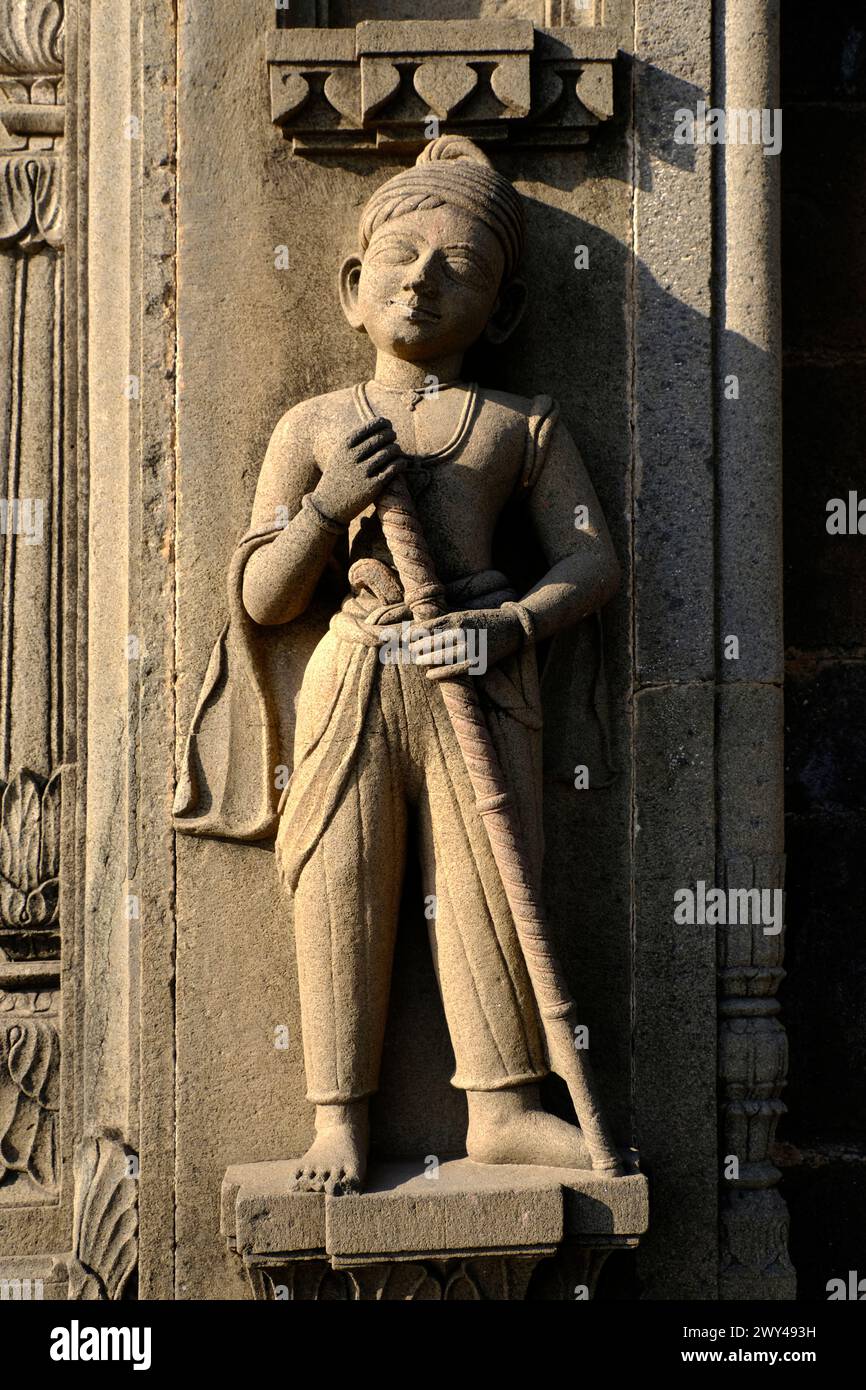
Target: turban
451, 170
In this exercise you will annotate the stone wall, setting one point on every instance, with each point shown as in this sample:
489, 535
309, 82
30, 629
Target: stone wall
187, 303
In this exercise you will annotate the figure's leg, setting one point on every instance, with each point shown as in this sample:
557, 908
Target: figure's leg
345, 912
489, 1003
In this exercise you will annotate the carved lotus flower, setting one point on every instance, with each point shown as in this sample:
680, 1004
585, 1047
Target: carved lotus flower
29, 863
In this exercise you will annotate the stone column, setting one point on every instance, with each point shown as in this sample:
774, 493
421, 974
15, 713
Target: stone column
749, 723
37, 565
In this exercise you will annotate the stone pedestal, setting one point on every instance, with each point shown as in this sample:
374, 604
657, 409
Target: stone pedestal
455, 1230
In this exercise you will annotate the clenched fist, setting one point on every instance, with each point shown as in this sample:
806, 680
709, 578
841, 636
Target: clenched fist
357, 470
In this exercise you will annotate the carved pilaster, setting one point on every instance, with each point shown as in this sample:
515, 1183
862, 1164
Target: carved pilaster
33, 641
753, 1063
754, 1262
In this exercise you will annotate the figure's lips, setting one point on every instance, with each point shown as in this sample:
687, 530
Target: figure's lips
416, 313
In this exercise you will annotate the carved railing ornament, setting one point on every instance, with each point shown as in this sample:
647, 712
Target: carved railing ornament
386, 86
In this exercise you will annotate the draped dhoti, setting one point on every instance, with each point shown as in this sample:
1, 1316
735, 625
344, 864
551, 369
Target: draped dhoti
374, 747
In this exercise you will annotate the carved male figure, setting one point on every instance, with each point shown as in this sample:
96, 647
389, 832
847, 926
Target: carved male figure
440, 246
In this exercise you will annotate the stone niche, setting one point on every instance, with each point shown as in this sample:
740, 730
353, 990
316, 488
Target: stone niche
178, 186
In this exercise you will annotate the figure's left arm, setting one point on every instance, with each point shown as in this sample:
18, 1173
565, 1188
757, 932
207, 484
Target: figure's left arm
584, 571
583, 574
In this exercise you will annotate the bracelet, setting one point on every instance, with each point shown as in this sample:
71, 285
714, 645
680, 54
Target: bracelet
325, 523
524, 617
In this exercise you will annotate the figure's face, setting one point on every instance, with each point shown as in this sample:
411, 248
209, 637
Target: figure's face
428, 283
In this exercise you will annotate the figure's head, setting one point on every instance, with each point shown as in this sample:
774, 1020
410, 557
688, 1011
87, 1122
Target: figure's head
440, 244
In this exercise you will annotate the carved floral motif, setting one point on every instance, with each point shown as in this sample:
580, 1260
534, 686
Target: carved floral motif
105, 1226
29, 866
30, 209
29, 1086
31, 36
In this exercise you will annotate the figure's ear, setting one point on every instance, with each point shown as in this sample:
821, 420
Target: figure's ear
350, 274
508, 312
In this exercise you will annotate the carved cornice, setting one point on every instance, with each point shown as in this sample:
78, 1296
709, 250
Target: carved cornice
378, 86
105, 1223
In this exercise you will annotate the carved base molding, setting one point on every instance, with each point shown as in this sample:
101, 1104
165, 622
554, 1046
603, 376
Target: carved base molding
571, 1273
34, 1279
104, 1257
410, 1237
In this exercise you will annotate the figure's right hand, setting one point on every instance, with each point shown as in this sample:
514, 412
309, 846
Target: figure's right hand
357, 470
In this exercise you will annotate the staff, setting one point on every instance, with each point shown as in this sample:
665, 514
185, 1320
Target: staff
425, 598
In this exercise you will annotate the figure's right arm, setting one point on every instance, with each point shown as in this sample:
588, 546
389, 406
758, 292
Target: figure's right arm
281, 575
319, 485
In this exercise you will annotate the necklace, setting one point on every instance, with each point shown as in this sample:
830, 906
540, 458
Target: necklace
414, 395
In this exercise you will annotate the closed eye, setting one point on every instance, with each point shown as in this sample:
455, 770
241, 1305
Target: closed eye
464, 265
393, 251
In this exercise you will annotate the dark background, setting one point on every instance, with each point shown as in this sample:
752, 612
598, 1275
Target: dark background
822, 1153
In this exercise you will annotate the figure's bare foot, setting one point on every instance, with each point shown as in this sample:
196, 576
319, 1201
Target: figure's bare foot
336, 1161
511, 1127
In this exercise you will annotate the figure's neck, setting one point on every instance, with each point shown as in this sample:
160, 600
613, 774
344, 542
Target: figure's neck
413, 376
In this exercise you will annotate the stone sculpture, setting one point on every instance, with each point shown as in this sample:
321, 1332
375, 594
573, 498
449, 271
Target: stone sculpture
397, 717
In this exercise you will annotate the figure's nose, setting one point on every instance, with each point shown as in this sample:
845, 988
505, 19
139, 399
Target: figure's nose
418, 275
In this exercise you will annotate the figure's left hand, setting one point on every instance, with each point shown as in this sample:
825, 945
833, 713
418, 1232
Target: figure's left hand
466, 642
